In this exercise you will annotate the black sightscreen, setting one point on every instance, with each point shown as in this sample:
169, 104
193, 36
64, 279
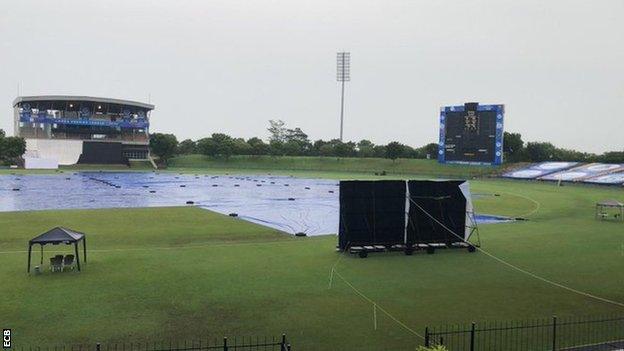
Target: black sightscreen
373, 212
444, 202
102, 153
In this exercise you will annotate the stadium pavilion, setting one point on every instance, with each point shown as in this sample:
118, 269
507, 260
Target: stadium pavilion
66, 130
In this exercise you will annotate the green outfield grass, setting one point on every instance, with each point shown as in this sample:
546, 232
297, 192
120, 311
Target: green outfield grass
154, 273
331, 164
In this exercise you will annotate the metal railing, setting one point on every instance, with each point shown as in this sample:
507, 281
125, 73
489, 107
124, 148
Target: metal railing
539, 334
225, 344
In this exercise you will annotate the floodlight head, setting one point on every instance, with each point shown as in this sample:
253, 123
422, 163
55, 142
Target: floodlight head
344, 66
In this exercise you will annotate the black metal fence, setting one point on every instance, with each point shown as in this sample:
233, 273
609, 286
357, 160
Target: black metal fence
225, 344
578, 333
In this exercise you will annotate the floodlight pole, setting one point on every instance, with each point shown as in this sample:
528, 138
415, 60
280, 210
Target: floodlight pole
343, 75
342, 110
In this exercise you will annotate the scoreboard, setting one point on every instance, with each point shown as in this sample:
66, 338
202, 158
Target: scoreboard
471, 134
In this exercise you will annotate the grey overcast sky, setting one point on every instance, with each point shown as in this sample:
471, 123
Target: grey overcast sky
230, 66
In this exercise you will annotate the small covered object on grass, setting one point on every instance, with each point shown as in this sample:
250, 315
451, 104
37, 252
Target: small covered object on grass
56, 236
604, 207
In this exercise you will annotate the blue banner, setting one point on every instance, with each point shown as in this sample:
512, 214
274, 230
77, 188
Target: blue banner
46, 119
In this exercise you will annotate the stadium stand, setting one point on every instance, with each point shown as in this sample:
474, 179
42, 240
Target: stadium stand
583, 172
65, 130
598, 173
537, 170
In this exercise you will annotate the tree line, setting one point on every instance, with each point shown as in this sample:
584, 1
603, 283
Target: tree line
284, 141
516, 150
11, 149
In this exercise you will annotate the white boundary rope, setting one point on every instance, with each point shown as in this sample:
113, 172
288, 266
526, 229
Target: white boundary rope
521, 270
538, 205
376, 305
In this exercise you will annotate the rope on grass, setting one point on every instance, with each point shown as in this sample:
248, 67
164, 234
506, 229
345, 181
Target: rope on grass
376, 305
521, 270
333, 268
538, 205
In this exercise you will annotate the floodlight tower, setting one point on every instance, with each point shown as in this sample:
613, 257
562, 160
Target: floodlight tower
343, 75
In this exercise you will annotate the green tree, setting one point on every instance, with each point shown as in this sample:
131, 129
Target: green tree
326, 150
1, 146
317, 146
258, 147
409, 152
163, 145
430, 149
276, 148
365, 148
291, 148
13, 147
379, 151
277, 131
342, 149
187, 147
540, 151
572, 155
224, 144
207, 146
394, 150
612, 157
296, 142
241, 147
513, 146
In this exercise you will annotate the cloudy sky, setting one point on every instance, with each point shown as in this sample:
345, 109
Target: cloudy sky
230, 66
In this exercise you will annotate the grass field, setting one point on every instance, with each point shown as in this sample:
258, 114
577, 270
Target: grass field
331, 164
296, 165
153, 273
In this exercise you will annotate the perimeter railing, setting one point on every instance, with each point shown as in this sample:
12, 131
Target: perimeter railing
573, 333
225, 344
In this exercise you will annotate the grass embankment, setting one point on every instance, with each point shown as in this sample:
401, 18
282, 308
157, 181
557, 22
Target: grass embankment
332, 164
185, 272
298, 165
135, 166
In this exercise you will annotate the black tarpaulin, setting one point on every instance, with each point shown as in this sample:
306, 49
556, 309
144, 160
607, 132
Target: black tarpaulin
442, 200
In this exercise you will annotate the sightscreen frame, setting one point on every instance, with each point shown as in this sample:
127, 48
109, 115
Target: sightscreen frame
400, 212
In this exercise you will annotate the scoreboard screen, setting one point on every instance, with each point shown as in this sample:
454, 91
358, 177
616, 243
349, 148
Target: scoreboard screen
471, 134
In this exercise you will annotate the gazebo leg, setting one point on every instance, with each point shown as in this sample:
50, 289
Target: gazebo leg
29, 252
77, 257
